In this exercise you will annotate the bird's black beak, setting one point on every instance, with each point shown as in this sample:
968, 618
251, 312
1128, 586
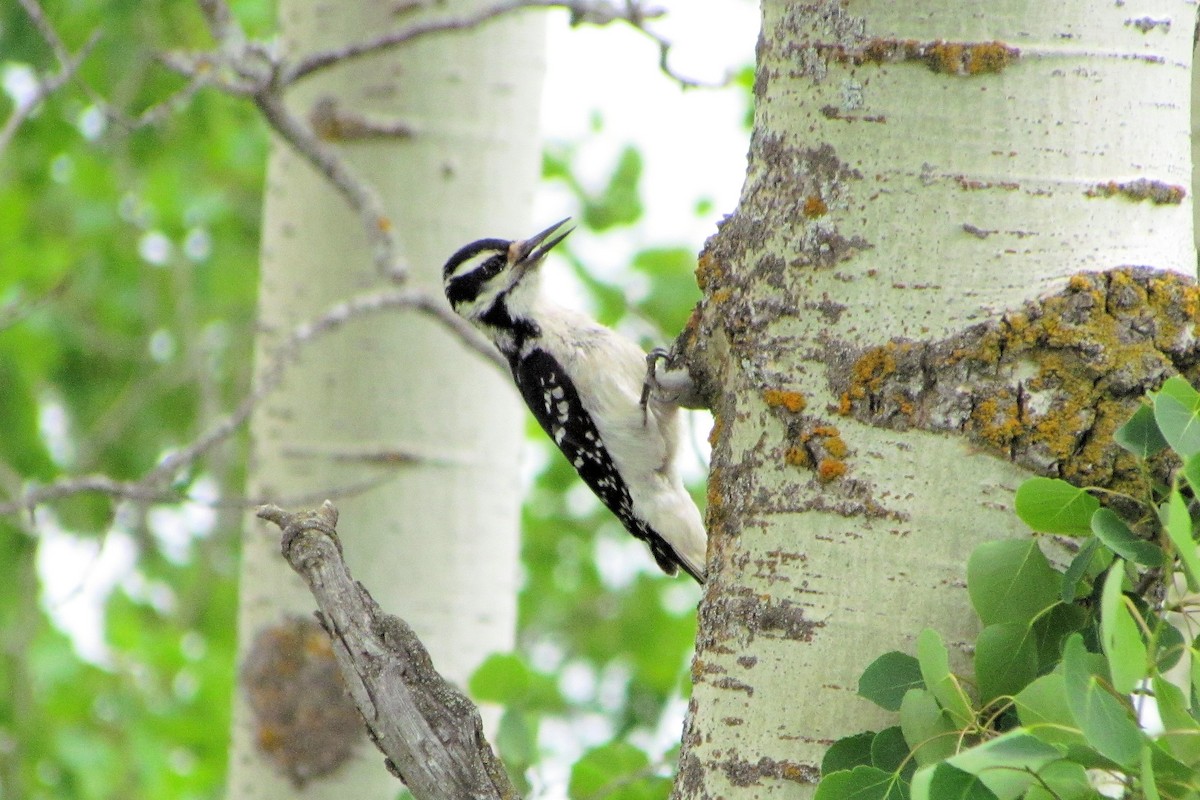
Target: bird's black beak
529, 252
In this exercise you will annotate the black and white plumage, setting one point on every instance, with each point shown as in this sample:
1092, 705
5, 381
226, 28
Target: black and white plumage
584, 384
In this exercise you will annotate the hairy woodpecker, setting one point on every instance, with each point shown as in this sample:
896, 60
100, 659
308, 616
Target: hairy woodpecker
586, 385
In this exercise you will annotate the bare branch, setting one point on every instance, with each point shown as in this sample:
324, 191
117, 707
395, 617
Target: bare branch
597, 12
68, 66
429, 732
326, 160
154, 485
158, 112
42, 23
222, 24
664, 65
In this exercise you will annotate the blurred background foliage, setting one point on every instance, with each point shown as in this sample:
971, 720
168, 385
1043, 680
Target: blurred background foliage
127, 297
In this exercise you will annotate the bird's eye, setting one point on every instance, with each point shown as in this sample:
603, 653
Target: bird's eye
493, 266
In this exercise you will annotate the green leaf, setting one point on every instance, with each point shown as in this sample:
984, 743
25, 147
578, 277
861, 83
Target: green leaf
620, 202
1106, 722
673, 292
888, 677
1049, 505
945, 782
1177, 412
1172, 779
600, 770
501, 678
927, 729
862, 783
1179, 530
848, 753
935, 669
1191, 473
1078, 568
1043, 711
1005, 766
1169, 648
1112, 530
1140, 435
1181, 734
1149, 784
1006, 660
890, 752
1062, 780
1119, 633
1011, 581
1051, 631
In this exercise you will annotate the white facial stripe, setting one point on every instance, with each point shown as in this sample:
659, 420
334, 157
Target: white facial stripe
473, 263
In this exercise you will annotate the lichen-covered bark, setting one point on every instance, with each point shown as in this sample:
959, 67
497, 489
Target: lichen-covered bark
953, 265
1044, 386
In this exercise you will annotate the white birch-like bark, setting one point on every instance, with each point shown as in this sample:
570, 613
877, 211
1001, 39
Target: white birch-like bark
884, 201
442, 549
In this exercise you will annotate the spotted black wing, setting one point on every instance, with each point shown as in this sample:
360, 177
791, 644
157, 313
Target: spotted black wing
555, 403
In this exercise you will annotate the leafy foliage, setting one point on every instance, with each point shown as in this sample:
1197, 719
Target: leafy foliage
126, 272
1073, 668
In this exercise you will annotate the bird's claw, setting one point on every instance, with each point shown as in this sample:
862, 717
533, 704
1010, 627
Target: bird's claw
650, 382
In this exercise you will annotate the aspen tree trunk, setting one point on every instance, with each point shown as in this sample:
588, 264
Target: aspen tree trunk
434, 542
915, 169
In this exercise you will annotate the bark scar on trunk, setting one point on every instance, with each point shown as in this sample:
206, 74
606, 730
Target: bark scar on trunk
1044, 386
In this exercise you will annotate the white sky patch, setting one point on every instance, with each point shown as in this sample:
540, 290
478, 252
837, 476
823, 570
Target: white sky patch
695, 452
154, 248
545, 655
580, 500
577, 682
91, 123
681, 596
666, 733
532, 462
564, 741
77, 575
54, 425
175, 527
197, 244
620, 559
161, 346
613, 687
20, 83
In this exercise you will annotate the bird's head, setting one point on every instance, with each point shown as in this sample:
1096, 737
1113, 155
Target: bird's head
485, 272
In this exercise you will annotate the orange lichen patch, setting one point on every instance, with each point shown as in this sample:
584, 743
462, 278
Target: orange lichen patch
797, 456
830, 469
872, 369
713, 492
845, 404
989, 57
836, 447
709, 272
945, 57
1157, 192
783, 398
1047, 384
948, 58
814, 207
997, 420
717, 429
880, 51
